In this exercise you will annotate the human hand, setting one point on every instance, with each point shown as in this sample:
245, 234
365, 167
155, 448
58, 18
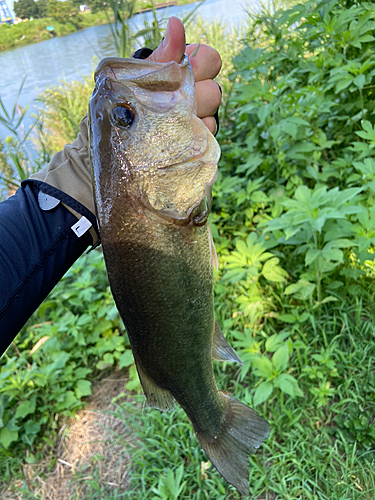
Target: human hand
206, 65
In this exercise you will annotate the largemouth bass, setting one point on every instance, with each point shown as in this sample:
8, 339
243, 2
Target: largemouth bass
154, 164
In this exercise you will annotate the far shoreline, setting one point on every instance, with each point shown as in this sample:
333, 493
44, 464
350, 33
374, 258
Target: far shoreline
30, 32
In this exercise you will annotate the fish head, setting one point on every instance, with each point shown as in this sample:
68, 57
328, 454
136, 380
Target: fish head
146, 141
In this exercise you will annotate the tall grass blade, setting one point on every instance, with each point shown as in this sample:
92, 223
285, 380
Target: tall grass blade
189, 18
17, 98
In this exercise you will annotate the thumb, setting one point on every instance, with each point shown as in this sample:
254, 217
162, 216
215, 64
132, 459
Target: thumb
173, 45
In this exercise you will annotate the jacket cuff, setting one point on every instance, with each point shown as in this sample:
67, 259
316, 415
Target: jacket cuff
70, 203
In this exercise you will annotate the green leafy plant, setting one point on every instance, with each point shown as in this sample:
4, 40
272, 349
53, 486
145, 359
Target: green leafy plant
124, 36
170, 485
306, 75
247, 265
272, 370
75, 334
62, 108
312, 223
17, 158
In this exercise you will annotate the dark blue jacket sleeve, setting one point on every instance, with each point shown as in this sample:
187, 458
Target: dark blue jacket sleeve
36, 248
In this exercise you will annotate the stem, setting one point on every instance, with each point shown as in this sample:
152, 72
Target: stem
281, 399
16, 348
317, 272
363, 112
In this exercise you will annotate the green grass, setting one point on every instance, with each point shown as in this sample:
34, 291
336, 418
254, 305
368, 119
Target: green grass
321, 445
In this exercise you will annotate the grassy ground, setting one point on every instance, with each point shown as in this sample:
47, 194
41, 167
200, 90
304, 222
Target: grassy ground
321, 445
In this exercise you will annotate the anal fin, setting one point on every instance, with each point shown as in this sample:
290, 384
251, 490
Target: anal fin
221, 350
156, 396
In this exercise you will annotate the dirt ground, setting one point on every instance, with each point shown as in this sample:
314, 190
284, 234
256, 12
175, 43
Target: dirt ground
88, 448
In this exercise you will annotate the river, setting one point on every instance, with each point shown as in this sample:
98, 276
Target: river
73, 56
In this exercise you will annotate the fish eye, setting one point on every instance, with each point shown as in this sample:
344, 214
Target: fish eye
123, 116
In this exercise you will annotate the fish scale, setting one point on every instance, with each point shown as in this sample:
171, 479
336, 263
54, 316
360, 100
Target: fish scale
154, 163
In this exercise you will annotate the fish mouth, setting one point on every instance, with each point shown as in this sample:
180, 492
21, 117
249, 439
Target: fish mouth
143, 73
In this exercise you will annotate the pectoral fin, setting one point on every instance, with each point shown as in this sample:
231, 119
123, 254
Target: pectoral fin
215, 261
221, 350
155, 395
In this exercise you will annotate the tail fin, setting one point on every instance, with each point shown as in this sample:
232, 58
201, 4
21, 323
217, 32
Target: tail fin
229, 451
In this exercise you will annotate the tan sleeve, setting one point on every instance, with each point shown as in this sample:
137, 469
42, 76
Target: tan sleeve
70, 170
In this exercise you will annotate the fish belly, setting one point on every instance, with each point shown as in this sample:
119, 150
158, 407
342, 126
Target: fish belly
161, 279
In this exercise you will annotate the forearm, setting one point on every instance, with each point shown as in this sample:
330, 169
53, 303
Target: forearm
37, 247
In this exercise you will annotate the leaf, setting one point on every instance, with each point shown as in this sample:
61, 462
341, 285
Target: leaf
330, 298
108, 360
333, 254
291, 129
276, 340
262, 393
84, 319
273, 272
259, 197
311, 255
69, 400
262, 366
369, 132
287, 318
134, 383
12, 425
32, 427
126, 359
288, 384
344, 83
303, 289
359, 81
83, 388
234, 275
60, 361
7, 437
26, 408
265, 111
298, 121
280, 359
31, 459
298, 151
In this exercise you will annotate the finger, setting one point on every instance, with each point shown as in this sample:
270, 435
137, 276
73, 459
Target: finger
206, 64
172, 47
210, 123
208, 98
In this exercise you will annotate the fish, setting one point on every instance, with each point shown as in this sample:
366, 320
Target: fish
154, 163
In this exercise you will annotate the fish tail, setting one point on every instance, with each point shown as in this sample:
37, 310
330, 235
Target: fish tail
241, 434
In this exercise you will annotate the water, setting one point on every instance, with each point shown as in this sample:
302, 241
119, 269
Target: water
74, 56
